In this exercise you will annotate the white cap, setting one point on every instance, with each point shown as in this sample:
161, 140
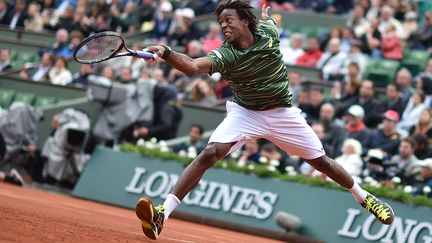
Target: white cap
425, 163
375, 153
188, 13
356, 110
166, 7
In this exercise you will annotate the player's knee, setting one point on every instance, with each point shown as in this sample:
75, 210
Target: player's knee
321, 164
210, 155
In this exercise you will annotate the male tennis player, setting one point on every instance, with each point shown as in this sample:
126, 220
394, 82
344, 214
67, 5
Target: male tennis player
251, 62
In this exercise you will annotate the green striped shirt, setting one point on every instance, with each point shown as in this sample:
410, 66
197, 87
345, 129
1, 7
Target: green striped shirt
257, 74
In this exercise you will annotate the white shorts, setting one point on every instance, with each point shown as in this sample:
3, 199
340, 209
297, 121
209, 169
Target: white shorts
285, 127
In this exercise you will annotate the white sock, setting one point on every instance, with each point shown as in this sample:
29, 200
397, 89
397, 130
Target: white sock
358, 192
171, 202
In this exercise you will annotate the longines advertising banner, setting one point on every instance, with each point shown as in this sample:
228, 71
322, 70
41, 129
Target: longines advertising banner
333, 216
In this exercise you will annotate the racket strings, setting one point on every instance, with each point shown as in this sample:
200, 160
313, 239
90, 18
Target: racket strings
99, 48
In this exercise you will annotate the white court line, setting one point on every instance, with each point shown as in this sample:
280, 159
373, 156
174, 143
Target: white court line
177, 240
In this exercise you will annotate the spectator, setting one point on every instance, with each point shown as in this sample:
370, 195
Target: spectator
336, 92
81, 21
393, 100
357, 21
404, 163
347, 40
424, 84
127, 20
403, 79
100, 24
340, 6
387, 19
334, 132
60, 44
367, 100
424, 125
189, 32
101, 7
316, 101
427, 72
81, 79
196, 132
373, 10
17, 16
426, 174
213, 38
312, 55
331, 62
423, 149
385, 137
422, 38
200, 91
146, 10
412, 112
60, 74
126, 76
371, 40
294, 86
318, 128
374, 165
34, 21
273, 156
350, 95
355, 126
391, 46
250, 153
3, 11
40, 73
65, 21
292, 53
409, 25
356, 56
335, 32
167, 116
5, 60
351, 159
163, 21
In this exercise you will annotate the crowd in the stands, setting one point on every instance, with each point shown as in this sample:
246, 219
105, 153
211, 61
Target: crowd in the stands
380, 132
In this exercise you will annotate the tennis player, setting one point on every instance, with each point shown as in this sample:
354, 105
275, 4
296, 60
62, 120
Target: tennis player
251, 62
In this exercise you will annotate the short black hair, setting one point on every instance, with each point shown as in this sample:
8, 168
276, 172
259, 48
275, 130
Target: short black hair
200, 128
243, 9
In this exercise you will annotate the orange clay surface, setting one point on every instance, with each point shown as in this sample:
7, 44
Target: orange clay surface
32, 215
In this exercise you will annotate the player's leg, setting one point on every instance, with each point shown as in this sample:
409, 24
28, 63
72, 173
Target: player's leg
292, 134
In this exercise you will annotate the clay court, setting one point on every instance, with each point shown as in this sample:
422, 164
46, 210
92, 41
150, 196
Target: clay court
32, 215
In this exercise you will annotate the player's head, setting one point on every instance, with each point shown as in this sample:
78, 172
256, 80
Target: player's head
235, 18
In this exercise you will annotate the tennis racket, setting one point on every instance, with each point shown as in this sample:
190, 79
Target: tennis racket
106, 45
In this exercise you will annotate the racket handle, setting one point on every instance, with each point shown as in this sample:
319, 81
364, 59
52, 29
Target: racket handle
146, 54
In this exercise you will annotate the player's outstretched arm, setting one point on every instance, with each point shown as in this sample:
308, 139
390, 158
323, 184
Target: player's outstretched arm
182, 62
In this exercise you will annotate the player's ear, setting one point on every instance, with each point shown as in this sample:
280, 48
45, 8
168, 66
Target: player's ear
245, 23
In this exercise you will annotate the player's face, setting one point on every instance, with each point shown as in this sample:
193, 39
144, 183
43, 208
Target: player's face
232, 26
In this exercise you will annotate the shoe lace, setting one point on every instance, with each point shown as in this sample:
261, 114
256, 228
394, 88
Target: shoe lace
377, 208
160, 208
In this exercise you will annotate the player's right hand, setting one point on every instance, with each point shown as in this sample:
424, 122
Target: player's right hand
159, 50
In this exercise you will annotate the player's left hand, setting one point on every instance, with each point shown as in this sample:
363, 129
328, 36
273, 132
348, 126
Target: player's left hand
264, 12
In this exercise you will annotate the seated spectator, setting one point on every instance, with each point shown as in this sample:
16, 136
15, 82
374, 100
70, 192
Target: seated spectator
81, 21
385, 137
348, 38
367, 100
350, 95
146, 10
40, 73
126, 76
291, 53
126, 20
374, 165
3, 11
353, 73
426, 174
273, 156
391, 46
351, 159
340, 6
16, 17
371, 40
60, 74
163, 21
336, 92
422, 38
423, 149
34, 21
331, 62
5, 60
213, 39
393, 100
200, 91
335, 133
424, 125
412, 112
355, 126
60, 44
101, 23
424, 85
81, 78
335, 32
318, 128
373, 10
357, 20
166, 118
196, 132
404, 163
403, 80
356, 56
294, 86
409, 25
312, 55
250, 152
387, 19
312, 110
